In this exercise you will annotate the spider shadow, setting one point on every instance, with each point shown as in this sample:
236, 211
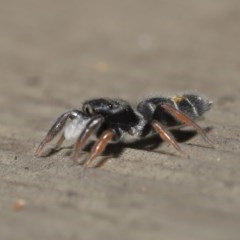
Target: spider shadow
115, 150
149, 144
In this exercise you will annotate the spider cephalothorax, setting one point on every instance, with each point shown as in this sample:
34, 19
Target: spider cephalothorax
111, 119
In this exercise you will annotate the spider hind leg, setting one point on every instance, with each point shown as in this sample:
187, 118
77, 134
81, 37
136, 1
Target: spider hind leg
167, 136
182, 117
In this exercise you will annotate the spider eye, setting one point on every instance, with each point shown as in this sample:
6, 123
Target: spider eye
89, 110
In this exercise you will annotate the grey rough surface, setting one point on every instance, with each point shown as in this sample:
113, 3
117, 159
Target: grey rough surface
56, 54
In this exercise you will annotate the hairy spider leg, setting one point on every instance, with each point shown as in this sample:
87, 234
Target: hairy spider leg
182, 117
93, 124
54, 130
167, 136
99, 146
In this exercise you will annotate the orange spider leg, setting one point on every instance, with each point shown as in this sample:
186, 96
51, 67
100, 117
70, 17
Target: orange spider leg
167, 136
99, 146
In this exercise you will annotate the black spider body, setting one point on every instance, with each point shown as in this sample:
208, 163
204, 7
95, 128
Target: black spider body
111, 119
117, 114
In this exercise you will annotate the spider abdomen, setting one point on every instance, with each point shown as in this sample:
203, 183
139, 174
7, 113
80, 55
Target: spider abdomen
192, 105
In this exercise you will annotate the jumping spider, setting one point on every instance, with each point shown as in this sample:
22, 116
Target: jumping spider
111, 119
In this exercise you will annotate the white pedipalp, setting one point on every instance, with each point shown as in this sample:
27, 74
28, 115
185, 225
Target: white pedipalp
75, 128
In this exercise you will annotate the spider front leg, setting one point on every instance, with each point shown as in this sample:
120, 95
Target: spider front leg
92, 125
182, 117
55, 129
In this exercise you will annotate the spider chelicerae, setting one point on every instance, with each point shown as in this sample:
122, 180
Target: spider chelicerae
111, 119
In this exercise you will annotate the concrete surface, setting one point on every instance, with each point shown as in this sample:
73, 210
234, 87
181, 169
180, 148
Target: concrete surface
56, 54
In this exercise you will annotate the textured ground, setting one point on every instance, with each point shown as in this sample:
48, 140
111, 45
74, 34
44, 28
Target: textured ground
55, 54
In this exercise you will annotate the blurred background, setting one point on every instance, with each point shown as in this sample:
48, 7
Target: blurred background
55, 54
66, 51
